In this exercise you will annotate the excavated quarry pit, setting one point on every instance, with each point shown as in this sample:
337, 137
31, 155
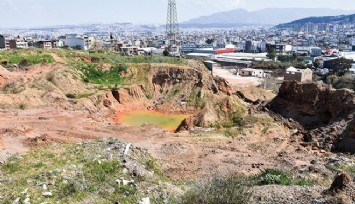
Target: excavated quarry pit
169, 122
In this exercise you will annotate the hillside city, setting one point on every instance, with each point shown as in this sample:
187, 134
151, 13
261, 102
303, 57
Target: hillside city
235, 107
315, 44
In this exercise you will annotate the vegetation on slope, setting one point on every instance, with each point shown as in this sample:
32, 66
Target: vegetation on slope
236, 189
339, 82
100, 172
116, 58
25, 57
91, 73
91, 172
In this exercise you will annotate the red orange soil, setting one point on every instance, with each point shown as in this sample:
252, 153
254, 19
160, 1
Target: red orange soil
183, 156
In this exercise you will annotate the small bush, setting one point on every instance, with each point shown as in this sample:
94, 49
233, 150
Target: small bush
22, 106
78, 96
50, 78
265, 129
24, 63
67, 189
11, 165
233, 132
70, 96
100, 172
231, 190
195, 100
4, 63
277, 177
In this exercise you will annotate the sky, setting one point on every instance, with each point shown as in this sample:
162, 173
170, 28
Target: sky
32, 13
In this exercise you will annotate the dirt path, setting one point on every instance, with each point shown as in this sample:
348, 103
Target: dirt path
57, 58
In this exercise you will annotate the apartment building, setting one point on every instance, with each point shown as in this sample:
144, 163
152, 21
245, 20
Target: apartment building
44, 44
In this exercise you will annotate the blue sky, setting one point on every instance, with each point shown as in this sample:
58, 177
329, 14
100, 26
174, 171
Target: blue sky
28, 13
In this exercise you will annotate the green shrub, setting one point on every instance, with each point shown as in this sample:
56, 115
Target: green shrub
230, 190
233, 132
11, 165
101, 171
67, 188
25, 63
70, 96
347, 81
96, 76
50, 78
195, 100
22, 106
277, 177
78, 96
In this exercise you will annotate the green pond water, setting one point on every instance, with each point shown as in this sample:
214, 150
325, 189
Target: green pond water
165, 121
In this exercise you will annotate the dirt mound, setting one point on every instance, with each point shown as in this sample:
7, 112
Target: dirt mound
210, 115
326, 114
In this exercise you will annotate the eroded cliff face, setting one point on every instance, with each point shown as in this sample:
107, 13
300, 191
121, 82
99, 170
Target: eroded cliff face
175, 89
326, 114
165, 88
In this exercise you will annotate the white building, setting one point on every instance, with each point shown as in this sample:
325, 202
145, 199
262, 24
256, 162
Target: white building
58, 43
21, 45
77, 43
252, 73
243, 56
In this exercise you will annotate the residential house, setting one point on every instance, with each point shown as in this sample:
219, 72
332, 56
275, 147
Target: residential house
44, 44
76, 43
300, 75
280, 48
248, 72
10, 44
57, 43
128, 51
20, 44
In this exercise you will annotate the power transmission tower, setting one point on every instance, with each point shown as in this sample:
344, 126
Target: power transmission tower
172, 26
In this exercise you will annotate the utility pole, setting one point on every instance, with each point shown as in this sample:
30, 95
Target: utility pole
172, 26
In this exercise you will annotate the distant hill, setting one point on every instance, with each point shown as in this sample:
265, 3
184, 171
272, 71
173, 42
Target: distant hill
269, 16
324, 19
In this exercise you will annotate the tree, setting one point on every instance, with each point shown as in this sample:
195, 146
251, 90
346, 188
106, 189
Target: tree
166, 53
209, 41
284, 58
295, 56
340, 65
271, 53
316, 63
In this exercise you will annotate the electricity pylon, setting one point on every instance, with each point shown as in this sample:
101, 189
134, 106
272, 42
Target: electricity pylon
172, 26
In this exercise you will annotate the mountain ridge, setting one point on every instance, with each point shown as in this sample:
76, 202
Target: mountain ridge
267, 16
324, 19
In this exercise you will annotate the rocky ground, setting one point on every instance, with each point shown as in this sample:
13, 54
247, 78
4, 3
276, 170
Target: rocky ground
36, 111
